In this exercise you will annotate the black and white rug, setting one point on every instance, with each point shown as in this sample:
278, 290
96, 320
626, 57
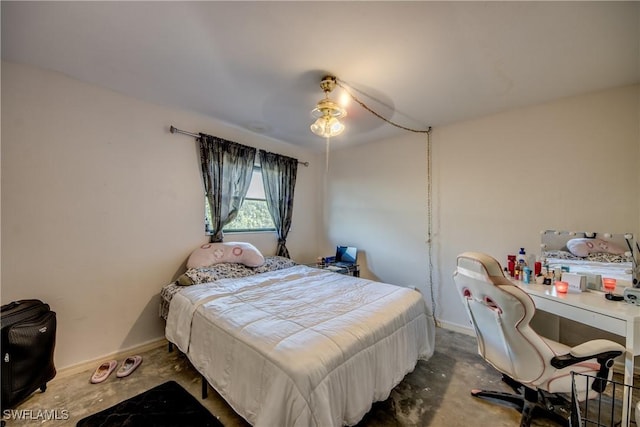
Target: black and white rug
167, 405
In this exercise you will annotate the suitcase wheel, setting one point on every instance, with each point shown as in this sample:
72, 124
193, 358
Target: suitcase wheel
43, 387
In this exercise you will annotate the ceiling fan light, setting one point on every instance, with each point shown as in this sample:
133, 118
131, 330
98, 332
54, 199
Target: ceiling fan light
327, 126
327, 107
327, 112
335, 126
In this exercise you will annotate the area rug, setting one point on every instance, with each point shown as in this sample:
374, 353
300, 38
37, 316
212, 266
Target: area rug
163, 406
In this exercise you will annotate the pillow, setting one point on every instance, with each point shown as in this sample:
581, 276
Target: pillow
226, 270
215, 253
558, 254
583, 247
611, 258
273, 263
223, 270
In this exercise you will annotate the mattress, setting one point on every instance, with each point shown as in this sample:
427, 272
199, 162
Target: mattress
301, 346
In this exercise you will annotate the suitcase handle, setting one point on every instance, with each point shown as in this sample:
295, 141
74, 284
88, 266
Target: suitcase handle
10, 305
14, 304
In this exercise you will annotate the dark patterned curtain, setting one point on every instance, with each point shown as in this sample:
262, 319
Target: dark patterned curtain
279, 178
226, 173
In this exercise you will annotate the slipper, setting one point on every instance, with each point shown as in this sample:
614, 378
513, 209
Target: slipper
128, 366
103, 371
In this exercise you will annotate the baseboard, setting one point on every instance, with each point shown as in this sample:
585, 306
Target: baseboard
618, 367
457, 328
118, 355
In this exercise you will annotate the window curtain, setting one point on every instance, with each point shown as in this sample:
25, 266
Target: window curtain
226, 173
279, 179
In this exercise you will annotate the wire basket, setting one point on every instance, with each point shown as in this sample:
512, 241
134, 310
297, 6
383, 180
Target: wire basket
614, 407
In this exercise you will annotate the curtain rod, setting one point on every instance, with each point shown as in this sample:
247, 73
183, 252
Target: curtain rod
173, 129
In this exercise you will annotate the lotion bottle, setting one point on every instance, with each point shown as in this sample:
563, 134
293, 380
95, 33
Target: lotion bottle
522, 257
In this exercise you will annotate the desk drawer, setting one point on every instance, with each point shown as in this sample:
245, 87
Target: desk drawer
591, 318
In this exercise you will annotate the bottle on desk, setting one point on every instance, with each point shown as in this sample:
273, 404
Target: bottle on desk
522, 257
537, 268
511, 262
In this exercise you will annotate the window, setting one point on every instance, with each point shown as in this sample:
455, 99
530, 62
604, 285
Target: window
253, 215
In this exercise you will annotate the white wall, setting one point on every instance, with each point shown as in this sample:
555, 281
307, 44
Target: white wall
377, 202
101, 206
498, 180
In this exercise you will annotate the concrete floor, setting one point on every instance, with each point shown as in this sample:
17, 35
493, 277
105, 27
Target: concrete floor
435, 394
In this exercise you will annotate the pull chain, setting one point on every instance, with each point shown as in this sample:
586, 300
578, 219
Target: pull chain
363, 105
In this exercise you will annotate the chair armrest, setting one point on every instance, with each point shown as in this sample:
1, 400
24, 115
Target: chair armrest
603, 350
595, 347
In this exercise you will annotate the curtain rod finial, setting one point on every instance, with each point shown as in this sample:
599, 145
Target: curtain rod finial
172, 129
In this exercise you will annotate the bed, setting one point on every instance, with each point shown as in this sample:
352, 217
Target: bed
292, 345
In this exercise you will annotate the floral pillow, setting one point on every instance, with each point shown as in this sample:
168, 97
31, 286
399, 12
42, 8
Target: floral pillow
559, 254
227, 270
605, 257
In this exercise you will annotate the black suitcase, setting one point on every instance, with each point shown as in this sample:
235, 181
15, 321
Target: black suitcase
28, 340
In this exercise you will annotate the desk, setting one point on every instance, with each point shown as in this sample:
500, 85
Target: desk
591, 308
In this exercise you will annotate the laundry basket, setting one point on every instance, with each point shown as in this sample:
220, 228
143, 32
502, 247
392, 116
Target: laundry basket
614, 407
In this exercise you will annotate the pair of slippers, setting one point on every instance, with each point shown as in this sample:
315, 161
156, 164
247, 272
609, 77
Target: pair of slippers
128, 366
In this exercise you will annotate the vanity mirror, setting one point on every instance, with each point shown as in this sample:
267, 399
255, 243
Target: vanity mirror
595, 255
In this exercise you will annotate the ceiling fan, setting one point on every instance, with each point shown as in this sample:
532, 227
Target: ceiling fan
328, 113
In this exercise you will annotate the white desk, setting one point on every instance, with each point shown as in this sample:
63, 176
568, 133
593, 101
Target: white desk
591, 308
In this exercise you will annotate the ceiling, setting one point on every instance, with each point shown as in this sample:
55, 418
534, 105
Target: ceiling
258, 65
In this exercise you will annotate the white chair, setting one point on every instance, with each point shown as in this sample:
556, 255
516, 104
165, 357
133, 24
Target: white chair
537, 368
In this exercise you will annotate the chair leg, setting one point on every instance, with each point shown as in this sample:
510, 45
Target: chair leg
528, 402
515, 385
501, 398
555, 407
205, 386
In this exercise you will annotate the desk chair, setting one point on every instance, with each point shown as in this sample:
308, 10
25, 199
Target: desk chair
538, 369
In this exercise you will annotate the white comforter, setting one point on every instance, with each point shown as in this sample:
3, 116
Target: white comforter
301, 346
